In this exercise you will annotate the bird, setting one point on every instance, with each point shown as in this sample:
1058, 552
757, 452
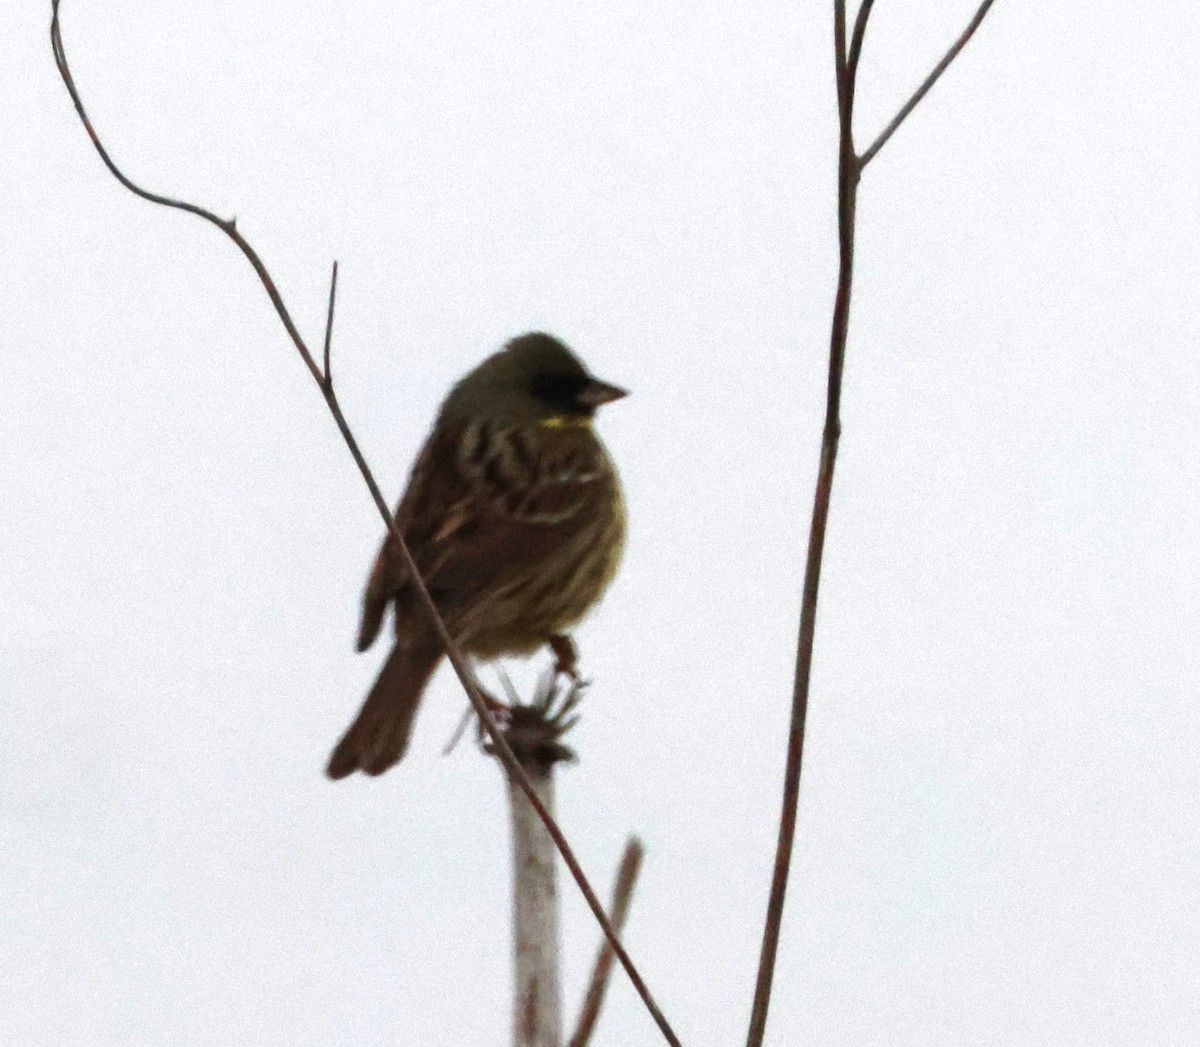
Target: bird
515, 518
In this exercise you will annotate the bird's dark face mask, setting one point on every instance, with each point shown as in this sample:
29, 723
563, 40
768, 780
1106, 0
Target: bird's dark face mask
573, 396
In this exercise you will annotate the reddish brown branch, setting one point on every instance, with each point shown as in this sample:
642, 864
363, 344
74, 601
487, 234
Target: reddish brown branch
228, 227
850, 167
840, 70
325, 383
856, 46
847, 190
631, 863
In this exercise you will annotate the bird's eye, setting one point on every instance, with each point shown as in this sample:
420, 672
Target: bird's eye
560, 391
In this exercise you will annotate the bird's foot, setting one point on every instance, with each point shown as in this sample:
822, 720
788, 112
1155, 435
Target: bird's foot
566, 656
535, 729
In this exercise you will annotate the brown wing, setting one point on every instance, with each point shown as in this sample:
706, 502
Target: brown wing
432, 495
484, 504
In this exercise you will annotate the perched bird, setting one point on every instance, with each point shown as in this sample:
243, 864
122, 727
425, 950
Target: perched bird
515, 519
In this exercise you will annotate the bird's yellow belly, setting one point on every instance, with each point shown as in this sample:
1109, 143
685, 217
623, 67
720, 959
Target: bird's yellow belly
526, 615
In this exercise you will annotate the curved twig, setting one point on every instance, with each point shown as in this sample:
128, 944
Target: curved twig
856, 46
325, 383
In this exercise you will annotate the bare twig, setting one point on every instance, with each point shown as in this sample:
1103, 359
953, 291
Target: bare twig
923, 90
324, 382
847, 189
856, 43
328, 379
627, 873
229, 228
840, 70
850, 167
459, 731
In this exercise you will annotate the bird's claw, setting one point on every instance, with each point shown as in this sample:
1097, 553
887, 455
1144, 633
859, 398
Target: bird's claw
566, 656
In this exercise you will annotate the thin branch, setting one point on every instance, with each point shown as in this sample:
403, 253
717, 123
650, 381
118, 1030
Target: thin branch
840, 67
631, 863
930, 80
229, 228
455, 656
856, 44
847, 194
850, 167
328, 380
459, 731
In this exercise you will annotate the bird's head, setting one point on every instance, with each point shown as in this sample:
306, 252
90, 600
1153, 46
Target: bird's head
535, 376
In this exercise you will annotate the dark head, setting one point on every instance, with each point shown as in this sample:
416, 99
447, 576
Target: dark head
535, 375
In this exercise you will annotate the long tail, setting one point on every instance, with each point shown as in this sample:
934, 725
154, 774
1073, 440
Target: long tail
379, 736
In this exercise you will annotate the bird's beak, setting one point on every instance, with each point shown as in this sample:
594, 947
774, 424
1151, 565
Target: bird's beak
597, 392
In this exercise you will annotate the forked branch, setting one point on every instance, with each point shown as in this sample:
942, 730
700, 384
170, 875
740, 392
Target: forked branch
324, 380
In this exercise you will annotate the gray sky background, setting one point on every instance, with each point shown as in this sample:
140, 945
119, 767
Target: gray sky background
999, 839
